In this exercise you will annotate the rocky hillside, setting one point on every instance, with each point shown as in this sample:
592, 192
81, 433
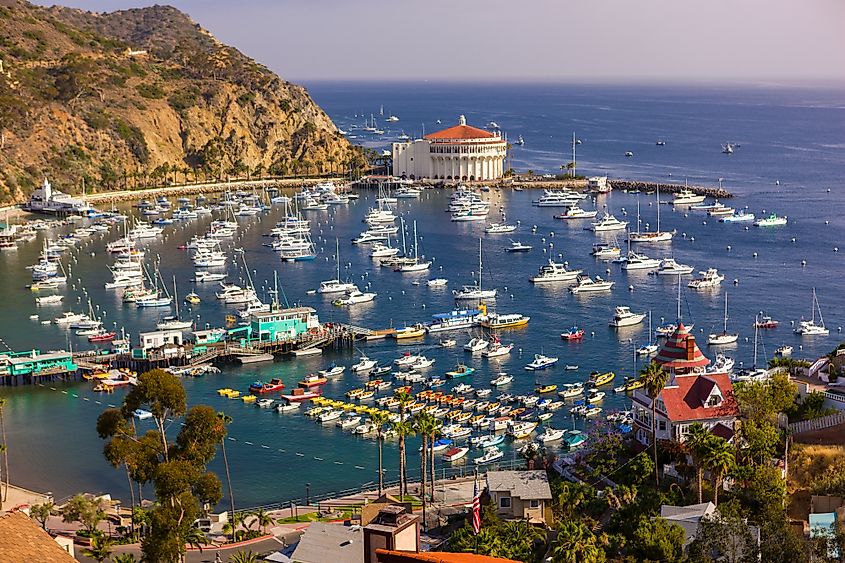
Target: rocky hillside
140, 97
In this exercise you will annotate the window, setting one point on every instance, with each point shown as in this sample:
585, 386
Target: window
535, 504
505, 502
661, 425
714, 401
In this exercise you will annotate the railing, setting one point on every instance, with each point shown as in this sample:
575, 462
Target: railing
819, 423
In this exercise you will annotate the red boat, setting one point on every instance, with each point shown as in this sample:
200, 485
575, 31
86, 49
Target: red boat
260, 387
300, 395
766, 322
573, 333
102, 337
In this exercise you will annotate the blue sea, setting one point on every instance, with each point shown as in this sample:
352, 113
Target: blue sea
790, 160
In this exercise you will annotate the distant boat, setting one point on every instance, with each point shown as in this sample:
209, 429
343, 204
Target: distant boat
519, 141
660, 142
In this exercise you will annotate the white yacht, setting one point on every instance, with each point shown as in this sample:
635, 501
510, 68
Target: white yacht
810, 328
742, 216
588, 285
575, 212
707, 279
669, 267
624, 317
476, 345
558, 198
497, 228
650, 236
607, 223
604, 251
354, 296
687, 197
636, 261
772, 220
555, 272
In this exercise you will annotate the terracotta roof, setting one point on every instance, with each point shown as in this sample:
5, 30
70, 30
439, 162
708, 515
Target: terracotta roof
680, 352
390, 556
460, 132
23, 541
685, 397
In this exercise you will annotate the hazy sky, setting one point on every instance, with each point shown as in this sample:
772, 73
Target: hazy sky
554, 40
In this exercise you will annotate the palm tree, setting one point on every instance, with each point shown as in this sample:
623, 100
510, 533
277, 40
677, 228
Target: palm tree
2, 451
655, 378
124, 558
262, 518
720, 458
224, 419
196, 538
5, 481
696, 442
243, 557
380, 418
100, 549
575, 543
403, 429
426, 425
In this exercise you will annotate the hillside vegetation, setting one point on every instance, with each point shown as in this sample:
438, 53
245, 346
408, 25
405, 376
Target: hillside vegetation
143, 96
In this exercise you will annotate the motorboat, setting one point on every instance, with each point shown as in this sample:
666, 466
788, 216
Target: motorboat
501, 379
574, 439
544, 389
635, 261
489, 441
623, 317
412, 331
491, 454
454, 454
687, 197
461, 370
558, 198
575, 212
288, 407
597, 379
604, 251
541, 362
555, 272
571, 390
496, 321
271, 386
312, 380
522, 429
608, 223
586, 284
772, 220
497, 349
476, 345
707, 279
766, 322
669, 267
517, 246
333, 371
354, 297
742, 216
206, 277
574, 333
498, 228
784, 351
364, 364
551, 435
49, 299
437, 282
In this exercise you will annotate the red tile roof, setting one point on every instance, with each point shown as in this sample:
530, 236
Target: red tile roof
23, 541
685, 396
390, 556
459, 132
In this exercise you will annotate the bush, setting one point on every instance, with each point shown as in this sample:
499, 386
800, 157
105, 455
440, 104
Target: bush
151, 91
134, 139
97, 120
183, 99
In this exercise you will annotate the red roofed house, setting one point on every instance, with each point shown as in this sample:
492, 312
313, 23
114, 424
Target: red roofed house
693, 394
459, 153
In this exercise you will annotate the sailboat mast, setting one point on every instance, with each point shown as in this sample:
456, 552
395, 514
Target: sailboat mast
416, 250
658, 209
726, 312
480, 267
175, 297
337, 256
404, 246
679, 299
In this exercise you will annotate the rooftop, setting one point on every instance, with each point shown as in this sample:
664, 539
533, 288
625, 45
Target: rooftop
685, 397
390, 556
23, 541
527, 485
461, 131
330, 542
680, 352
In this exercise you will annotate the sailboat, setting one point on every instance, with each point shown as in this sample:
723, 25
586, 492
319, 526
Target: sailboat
174, 322
724, 337
651, 236
415, 265
476, 291
651, 347
155, 298
335, 285
810, 328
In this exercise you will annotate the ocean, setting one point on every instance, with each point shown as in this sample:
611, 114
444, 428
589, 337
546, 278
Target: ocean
790, 160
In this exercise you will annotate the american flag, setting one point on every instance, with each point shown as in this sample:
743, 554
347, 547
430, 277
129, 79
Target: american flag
476, 508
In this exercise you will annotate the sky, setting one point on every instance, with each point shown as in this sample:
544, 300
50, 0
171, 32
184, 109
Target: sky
636, 41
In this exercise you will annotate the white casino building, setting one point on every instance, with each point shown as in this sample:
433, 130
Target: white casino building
459, 153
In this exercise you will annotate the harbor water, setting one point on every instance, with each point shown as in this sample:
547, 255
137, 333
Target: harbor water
790, 160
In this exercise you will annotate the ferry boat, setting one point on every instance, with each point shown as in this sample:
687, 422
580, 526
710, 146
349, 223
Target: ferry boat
573, 333
260, 387
588, 285
623, 317
555, 272
541, 362
772, 220
707, 279
456, 319
511, 320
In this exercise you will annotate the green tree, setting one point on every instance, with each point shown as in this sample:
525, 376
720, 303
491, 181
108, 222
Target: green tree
84, 510
196, 538
379, 419
42, 512
243, 557
723, 538
575, 543
404, 429
426, 425
657, 540
719, 458
262, 519
177, 469
696, 442
654, 378
100, 549
124, 558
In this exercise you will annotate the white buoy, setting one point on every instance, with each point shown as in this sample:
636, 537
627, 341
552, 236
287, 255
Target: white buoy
793, 239
729, 248
692, 239
755, 255
803, 262
630, 288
